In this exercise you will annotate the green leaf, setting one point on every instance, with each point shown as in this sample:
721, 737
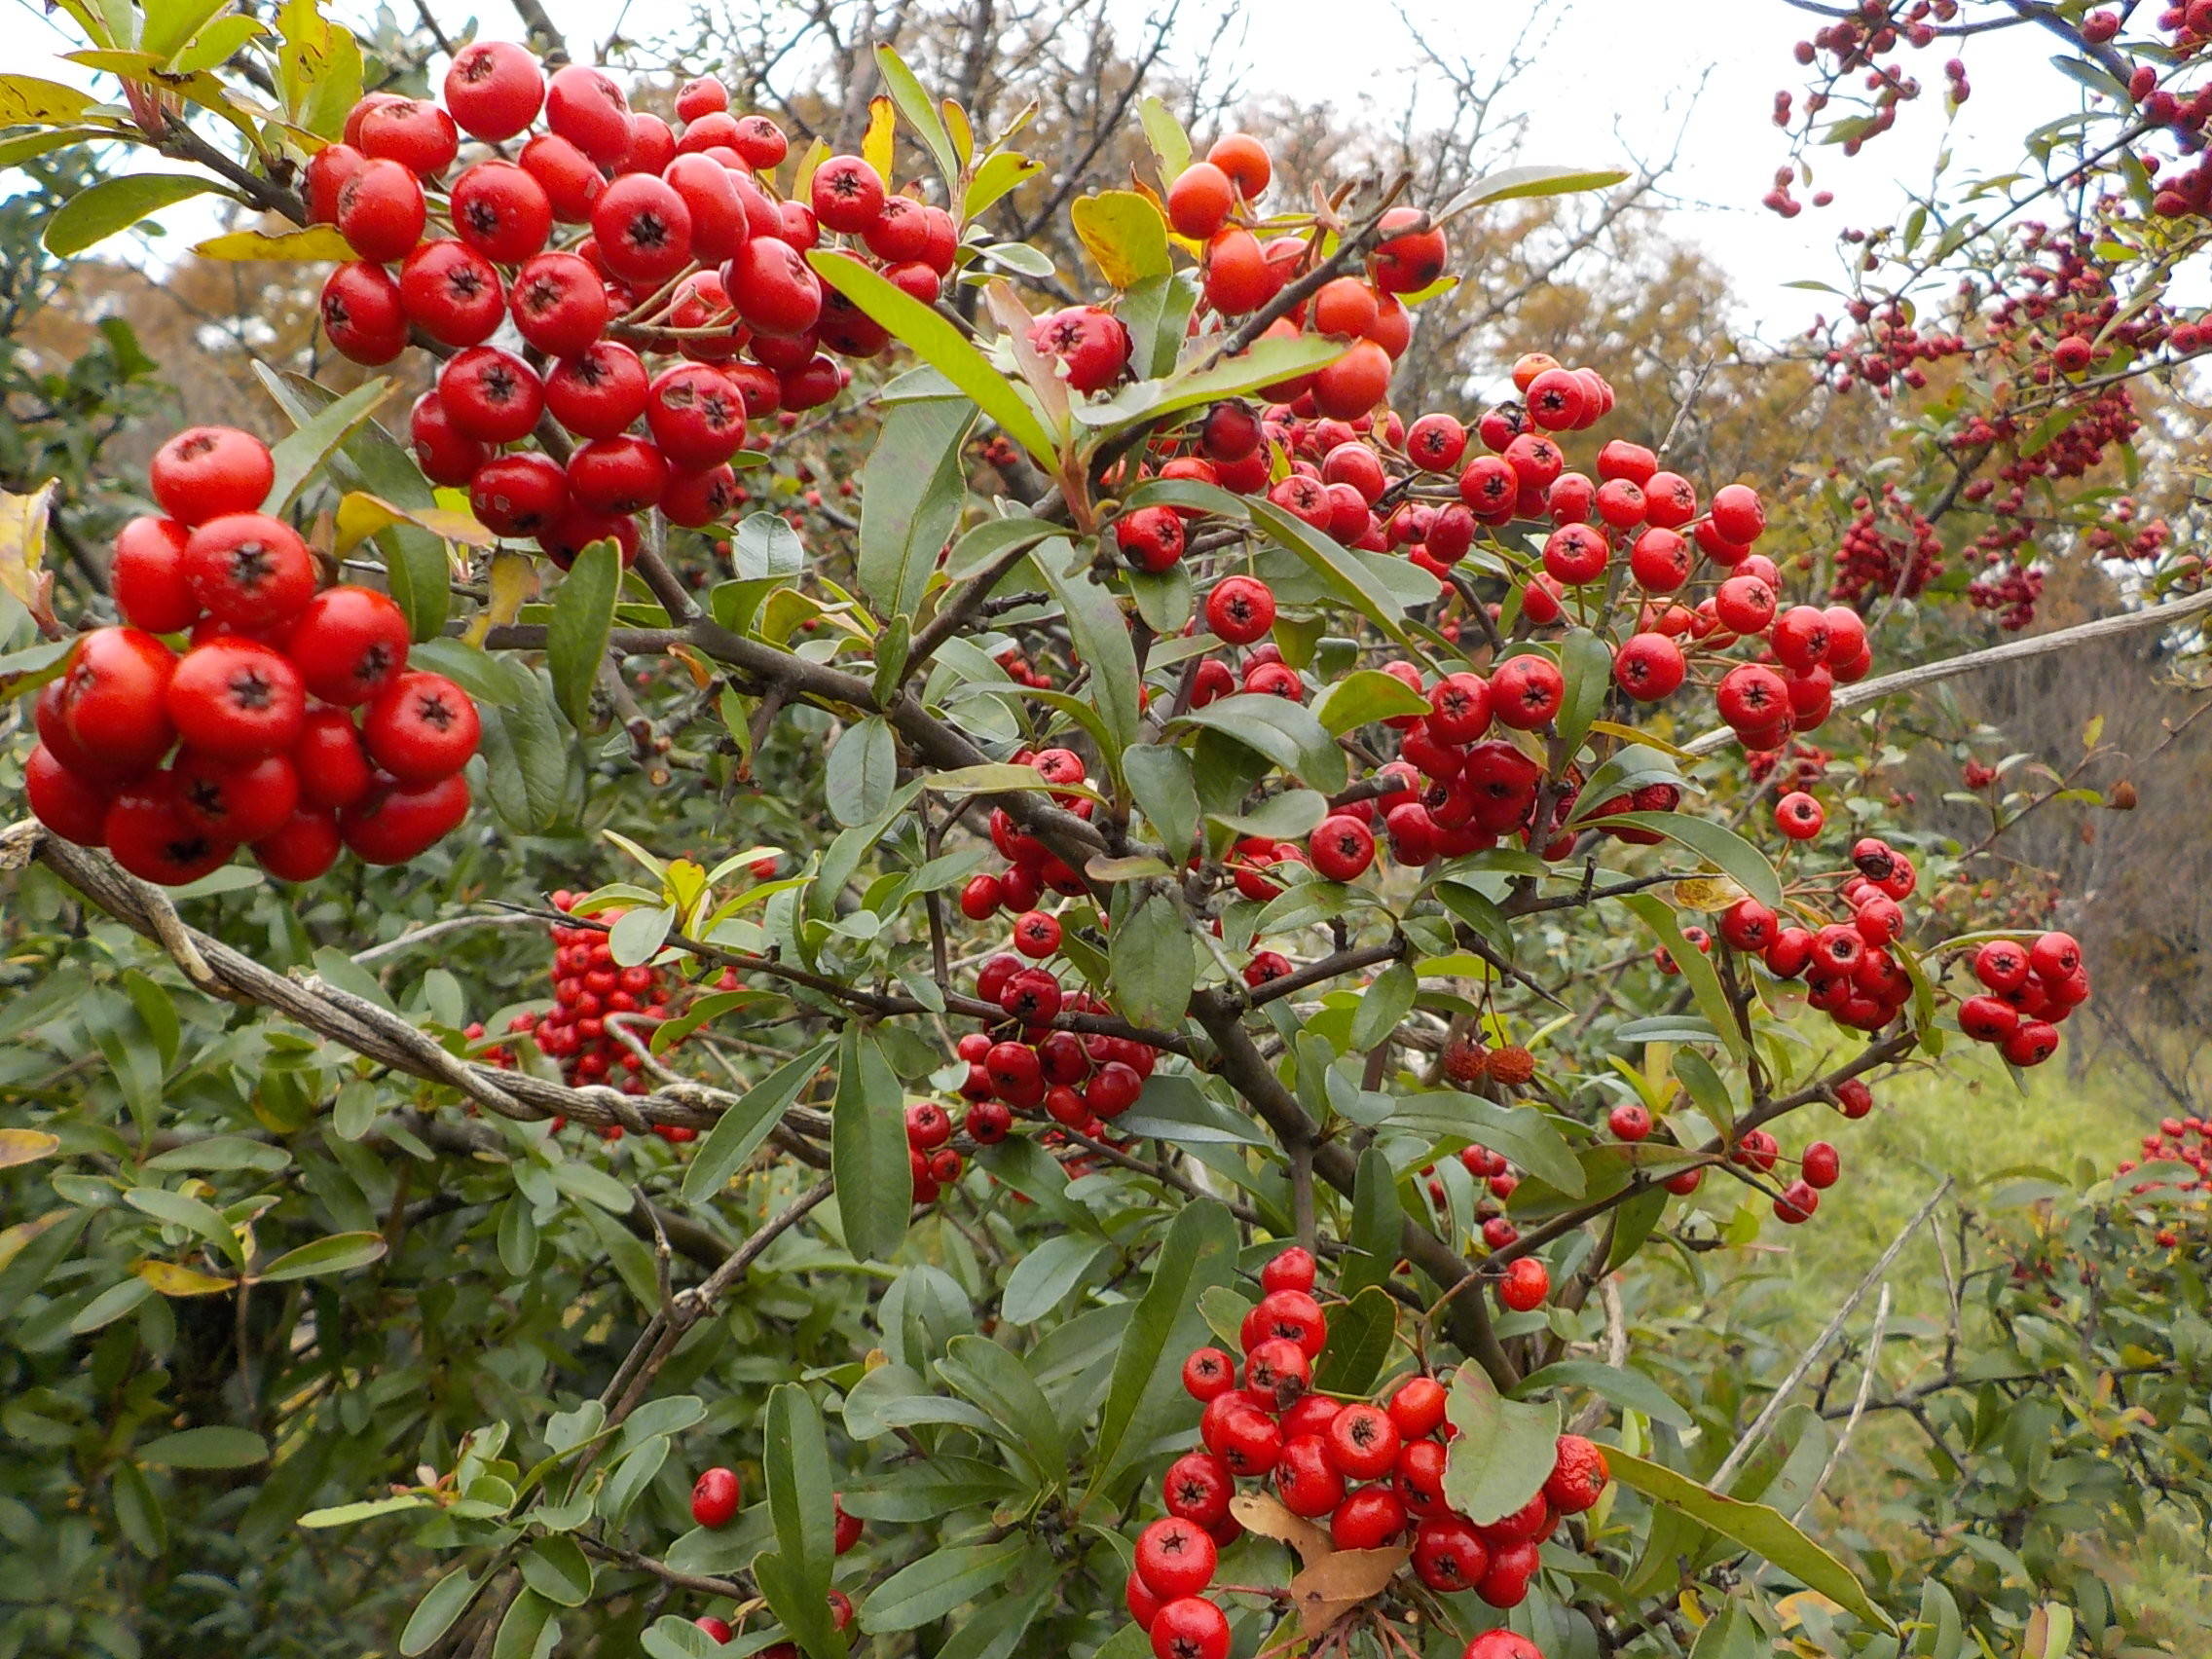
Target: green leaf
795, 1463
583, 621
921, 114
986, 543
1265, 364
867, 1150
1340, 570
1170, 144
1159, 778
862, 770
1047, 1276
1284, 732
1360, 1336
434, 1615
1630, 1388
138, 1512
1154, 966
111, 1305
1519, 184
171, 24
371, 460
911, 491
939, 1583
741, 1130
996, 177
1378, 1222
1716, 843
522, 1627
1363, 697
1697, 972
558, 1570
1523, 1133
525, 748
1478, 910
1146, 1394
100, 211
1586, 663
211, 1448
994, 1380
938, 343
1505, 1450
347, 1514
1101, 636
1386, 1001
1766, 1532
303, 452
340, 1253
177, 1210
1286, 817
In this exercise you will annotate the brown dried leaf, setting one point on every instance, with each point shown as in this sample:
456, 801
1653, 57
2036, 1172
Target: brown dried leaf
1329, 1589
1267, 1516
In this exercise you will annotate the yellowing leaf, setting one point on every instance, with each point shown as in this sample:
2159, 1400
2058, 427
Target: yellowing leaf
1125, 234
1707, 892
14, 1238
317, 244
26, 100
22, 553
172, 1279
882, 131
514, 582
27, 1146
361, 515
1331, 1588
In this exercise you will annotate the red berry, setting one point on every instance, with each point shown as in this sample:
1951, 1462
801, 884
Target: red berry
348, 645
237, 699
716, 1498
205, 473
494, 89
1175, 1557
422, 729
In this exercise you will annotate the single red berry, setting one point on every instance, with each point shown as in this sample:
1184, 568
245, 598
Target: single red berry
494, 89
1240, 609
422, 729
205, 473
348, 645
237, 699
716, 1498
1526, 1285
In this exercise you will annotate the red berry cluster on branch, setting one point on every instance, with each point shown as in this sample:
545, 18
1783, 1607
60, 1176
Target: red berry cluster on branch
680, 300
591, 994
2177, 1140
1364, 1475
256, 714
2028, 991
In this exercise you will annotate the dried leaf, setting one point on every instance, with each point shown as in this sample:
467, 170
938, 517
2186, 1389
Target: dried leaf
1267, 1516
27, 1146
1329, 1589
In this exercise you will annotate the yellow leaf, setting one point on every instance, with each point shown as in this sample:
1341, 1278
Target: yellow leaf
26, 100
1791, 1606
22, 551
514, 582
1640, 734
27, 1146
1332, 1587
14, 1238
173, 1278
882, 131
1125, 234
961, 130
318, 244
360, 515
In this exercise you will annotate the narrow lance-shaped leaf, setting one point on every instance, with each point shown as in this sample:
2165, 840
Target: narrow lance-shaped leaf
941, 345
583, 621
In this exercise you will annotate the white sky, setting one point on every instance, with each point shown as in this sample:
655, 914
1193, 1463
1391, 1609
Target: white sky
1615, 78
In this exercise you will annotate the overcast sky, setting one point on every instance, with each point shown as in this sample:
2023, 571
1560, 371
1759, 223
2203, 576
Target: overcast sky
1615, 80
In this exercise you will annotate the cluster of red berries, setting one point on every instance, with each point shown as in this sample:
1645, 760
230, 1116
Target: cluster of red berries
1371, 1472
2028, 991
717, 1495
1211, 201
686, 255
590, 992
2178, 1140
259, 706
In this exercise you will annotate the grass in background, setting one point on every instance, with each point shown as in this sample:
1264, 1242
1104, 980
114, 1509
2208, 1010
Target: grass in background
1969, 1122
